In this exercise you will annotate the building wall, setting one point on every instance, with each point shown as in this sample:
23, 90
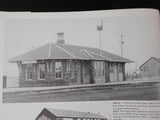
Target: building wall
116, 71
107, 78
91, 72
47, 115
123, 71
44, 117
151, 69
85, 66
50, 79
83, 73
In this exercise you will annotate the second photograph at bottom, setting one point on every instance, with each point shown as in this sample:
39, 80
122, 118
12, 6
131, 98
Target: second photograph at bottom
58, 111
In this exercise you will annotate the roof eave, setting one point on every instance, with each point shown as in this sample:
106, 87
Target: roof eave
79, 117
73, 59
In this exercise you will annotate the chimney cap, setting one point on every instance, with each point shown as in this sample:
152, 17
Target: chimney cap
60, 33
60, 38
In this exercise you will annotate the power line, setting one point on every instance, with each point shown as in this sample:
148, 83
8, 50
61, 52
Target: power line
100, 28
122, 43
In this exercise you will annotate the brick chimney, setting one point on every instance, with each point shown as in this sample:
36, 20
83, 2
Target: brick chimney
60, 38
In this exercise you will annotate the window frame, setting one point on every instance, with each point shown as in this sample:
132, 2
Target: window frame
146, 69
39, 71
120, 68
111, 67
27, 66
68, 68
99, 67
61, 70
72, 69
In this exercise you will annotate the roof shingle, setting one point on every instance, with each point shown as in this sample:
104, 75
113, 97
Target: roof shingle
65, 51
74, 114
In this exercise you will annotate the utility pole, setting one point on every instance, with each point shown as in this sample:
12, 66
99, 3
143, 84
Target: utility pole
100, 28
121, 42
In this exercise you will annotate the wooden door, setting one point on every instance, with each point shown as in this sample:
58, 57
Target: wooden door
86, 75
99, 68
113, 72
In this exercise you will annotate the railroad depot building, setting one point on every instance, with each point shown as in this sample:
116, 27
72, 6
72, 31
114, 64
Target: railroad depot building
150, 68
63, 64
56, 114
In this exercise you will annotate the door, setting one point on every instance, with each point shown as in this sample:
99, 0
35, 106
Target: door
85, 71
113, 72
120, 76
99, 69
120, 72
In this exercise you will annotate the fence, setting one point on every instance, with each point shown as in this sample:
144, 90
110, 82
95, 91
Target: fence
143, 74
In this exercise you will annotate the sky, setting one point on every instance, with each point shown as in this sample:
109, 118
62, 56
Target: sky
29, 111
141, 36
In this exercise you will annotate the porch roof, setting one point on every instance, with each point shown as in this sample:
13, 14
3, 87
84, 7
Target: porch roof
65, 51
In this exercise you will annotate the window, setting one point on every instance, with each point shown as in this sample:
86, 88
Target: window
103, 68
111, 68
146, 69
119, 68
72, 69
29, 72
58, 69
78, 65
41, 71
85, 69
68, 65
99, 68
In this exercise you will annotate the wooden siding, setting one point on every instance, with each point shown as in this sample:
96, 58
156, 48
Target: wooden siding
123, 70
107, 78
114, 73
49, 74
83, 73
151, 69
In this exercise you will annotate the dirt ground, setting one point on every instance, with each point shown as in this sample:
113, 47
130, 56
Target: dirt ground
138, 91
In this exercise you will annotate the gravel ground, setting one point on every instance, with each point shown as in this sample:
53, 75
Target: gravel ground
132, 91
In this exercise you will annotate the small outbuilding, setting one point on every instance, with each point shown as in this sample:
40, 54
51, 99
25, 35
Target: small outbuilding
56, 114
150, 68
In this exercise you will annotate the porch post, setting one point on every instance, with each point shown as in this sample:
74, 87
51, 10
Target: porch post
81, 71
123, 70
117, 71
107, 78
91, 72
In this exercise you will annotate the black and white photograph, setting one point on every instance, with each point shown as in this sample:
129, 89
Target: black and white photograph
58, 111
105, 55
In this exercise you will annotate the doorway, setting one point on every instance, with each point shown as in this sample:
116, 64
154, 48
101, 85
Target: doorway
99, 69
